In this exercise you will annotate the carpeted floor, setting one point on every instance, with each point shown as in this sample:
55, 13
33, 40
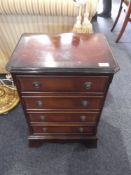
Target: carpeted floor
113, 154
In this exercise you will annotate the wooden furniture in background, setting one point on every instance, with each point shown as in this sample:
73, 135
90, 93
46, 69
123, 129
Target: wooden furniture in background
126, 20
62, 81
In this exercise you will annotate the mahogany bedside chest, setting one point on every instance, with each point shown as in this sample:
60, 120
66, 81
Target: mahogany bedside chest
62, 81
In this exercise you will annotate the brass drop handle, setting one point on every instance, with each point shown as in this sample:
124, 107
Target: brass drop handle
40, 104
87, 85
81, 130
42, 117
44, 129
83, 118
36, 84
84, 103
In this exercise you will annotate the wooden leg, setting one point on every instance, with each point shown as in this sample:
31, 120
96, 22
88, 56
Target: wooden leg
124, 25
118, 15
91, 143
35, 143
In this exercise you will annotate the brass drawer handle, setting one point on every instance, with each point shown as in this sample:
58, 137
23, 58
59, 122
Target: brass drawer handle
44, 129
81, 130
83, 118
36, 84
42, 117
84, 103
88, 85
39, 104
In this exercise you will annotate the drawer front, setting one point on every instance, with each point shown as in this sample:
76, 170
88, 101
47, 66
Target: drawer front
63, 117
63, 84
63, 103
61, 129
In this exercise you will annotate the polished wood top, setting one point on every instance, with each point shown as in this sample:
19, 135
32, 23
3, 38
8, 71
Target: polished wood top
62, 52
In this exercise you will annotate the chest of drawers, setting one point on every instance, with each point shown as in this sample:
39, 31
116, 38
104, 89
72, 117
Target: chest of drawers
62, 82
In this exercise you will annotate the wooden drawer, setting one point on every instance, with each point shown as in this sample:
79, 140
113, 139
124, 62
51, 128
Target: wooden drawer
64, 129
45, 103
63, 83
63, 117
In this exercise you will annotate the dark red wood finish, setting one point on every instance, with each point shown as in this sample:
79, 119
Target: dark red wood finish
90, 117
44, 103
62, 81
55, 53
89, 130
